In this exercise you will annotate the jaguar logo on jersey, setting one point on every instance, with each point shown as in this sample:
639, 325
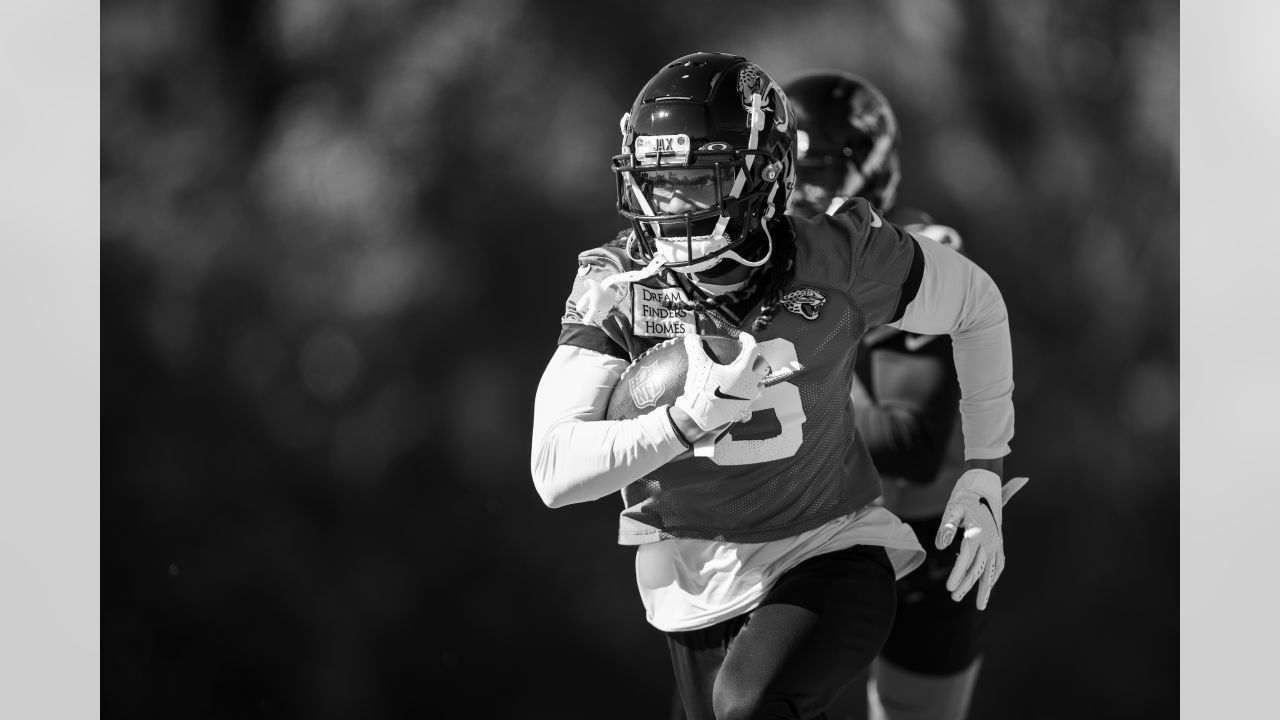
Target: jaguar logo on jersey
651, 317
644, 389
805, 302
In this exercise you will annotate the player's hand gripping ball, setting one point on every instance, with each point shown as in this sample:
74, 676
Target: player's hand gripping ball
657, 377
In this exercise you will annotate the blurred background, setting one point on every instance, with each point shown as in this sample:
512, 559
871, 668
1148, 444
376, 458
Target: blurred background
336, 242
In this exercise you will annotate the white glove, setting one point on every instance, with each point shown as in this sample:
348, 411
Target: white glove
601, 298
597, 302
976, 504
716, 395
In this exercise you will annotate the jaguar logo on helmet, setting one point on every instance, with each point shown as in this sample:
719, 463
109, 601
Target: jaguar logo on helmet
751, 82
805, 302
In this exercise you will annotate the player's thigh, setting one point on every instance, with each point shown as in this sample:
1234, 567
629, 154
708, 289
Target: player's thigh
696, 659
819, 627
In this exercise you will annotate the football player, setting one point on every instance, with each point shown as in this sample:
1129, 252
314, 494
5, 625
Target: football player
905, 397
760, 551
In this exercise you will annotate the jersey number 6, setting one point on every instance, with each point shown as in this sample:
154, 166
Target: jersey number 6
774, 430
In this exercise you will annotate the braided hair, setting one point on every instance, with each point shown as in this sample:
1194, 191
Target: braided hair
784, 268
702, 306
621, 240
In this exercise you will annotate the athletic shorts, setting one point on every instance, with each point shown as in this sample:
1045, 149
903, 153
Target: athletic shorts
816, 630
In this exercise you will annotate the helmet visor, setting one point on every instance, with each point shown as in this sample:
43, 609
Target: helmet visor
678, 191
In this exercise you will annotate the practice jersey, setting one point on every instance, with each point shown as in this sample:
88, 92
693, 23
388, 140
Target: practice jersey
798, 461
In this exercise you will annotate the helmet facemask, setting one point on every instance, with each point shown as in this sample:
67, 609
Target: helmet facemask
697, 194
695, 216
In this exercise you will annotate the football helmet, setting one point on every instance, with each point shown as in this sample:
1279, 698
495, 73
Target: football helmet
707, 160
847, 143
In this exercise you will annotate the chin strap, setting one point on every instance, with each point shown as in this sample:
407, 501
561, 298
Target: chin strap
755, 121
648, 271
768, 205
768, 252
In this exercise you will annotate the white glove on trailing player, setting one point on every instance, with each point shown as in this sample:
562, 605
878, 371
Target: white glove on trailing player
976, 504
716, 395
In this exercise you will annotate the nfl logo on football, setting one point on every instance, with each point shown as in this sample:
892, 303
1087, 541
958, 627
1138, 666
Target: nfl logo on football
644, 391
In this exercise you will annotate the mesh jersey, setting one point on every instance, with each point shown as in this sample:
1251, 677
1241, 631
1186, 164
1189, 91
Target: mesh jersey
798, 461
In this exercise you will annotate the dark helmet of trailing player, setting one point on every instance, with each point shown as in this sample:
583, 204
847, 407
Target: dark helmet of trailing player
847, 143
707, 160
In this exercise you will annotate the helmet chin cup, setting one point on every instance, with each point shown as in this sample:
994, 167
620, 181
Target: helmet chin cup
729, 253
680, 259
713, 289
721, 248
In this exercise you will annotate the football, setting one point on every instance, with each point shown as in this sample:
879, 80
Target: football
657, 377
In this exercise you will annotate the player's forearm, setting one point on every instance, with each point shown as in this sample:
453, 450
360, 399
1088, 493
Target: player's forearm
578, 461
958, 298
576, 454
984, 366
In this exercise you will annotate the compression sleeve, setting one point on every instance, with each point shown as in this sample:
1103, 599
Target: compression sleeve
958, 298
579, 456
